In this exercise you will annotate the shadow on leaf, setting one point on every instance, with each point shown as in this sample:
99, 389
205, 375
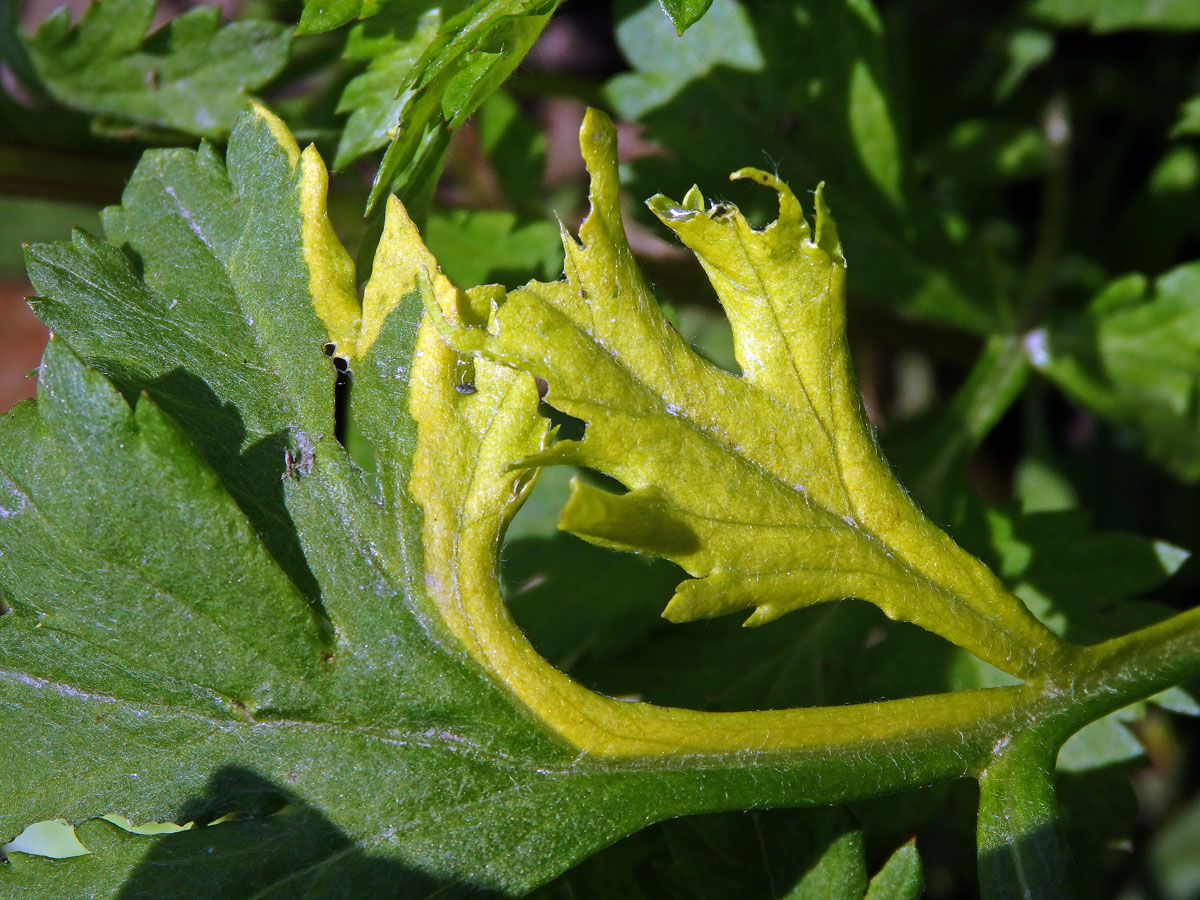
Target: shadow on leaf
271, 845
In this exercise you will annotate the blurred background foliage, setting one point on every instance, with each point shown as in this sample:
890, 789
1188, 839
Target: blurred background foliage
1018, 189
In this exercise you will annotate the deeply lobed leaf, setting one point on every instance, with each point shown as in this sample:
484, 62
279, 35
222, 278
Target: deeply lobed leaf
809, 87
210, 614
766, 487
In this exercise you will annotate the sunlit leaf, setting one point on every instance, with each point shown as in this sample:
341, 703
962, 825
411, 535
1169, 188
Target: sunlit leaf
194, 75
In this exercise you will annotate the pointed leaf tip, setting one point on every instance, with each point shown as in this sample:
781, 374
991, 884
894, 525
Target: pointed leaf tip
683, 14
826, 227
598, 144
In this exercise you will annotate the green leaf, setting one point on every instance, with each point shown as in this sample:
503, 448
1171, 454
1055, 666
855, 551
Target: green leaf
685, 13
192, 76
839, 871
391, 44
470, 53
516, 149
1189, 118
1135, 358
900, 878
1173, 854
1079, 581
1086, 585
489, 246
325, 15
767, 488
806, 88
1118, 15
211, 616
761, 854
25, 220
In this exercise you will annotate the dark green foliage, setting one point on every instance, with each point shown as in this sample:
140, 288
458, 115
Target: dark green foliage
1017, 188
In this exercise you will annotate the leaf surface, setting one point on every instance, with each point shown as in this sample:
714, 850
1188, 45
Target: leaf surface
210, 614
766, 487
193, 76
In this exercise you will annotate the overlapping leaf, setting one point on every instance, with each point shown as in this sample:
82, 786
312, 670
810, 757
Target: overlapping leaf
766, 487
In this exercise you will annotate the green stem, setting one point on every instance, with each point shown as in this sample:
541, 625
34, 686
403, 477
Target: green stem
1023, 854
1134, 666
995, 382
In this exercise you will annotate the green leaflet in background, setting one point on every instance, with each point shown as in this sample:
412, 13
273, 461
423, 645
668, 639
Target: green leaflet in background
1116, 15
1189, 118
1175, 856
516, 150
760, 855
429, 67
472, 53
806, 89
1134, 358
391, 44
900, 878
325, 15
27, 221
489, 246
193, 76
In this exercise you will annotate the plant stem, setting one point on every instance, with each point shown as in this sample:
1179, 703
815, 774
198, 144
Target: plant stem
1134, 666
1022, 851
995, 382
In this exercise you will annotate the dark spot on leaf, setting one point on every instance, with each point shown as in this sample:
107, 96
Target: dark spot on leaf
465, 387
543, 388
298, 461
330, 349
339, 363
341, 400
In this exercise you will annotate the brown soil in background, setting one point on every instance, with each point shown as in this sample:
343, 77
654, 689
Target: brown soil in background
22, 339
